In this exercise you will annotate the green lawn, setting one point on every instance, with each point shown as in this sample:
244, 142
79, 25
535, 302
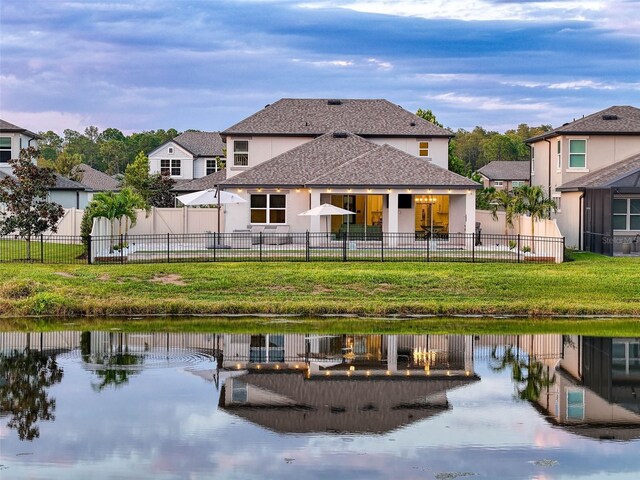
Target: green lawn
592, 285
16, 251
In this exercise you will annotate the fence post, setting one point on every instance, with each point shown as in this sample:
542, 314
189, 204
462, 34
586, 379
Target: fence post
89, 249
41, 249
518, 248
307, 252
473, 248
121, 250
564, 247
260, 238
168, 247
344, 247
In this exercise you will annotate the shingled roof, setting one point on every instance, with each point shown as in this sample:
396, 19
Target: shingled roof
616, 120
625, 173
506, 170
341, 159
201, 144
96, 180
387, 166
313, 117
210, 181
62, 183
11, 128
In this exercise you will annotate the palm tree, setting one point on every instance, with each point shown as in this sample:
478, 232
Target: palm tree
118, 206
533, 202
507, 202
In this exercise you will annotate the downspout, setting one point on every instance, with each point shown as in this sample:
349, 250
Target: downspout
580, 218
549, 185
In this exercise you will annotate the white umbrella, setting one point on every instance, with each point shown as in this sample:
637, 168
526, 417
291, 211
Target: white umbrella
211, 197
327, 210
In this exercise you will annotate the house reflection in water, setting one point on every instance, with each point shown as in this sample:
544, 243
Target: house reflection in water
343, 383
596, 388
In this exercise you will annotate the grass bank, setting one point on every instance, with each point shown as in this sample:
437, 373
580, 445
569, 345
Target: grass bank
601, 327
590, 285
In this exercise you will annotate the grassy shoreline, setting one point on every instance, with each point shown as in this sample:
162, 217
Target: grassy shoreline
591, 285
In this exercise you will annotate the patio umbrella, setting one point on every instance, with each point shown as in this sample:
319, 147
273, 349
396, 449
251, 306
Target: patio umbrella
210, 197
327, 210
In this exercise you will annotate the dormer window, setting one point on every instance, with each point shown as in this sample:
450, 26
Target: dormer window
240, 153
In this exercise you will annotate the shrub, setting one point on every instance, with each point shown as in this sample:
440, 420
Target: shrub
512, 244
48, 303
526, 249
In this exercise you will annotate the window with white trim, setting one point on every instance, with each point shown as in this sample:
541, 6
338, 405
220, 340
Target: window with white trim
268, 208
5, 149
577, 154
517, 183
497, 183
211, 166
241, 153
170, 167
423, 149
559, 149
626, 213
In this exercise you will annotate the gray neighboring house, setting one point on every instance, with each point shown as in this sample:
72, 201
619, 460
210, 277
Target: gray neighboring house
188, 156
66, 192
95, 181
505, 175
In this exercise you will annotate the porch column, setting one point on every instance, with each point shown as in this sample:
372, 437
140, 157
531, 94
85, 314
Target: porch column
314, 221
392, 224
470, 212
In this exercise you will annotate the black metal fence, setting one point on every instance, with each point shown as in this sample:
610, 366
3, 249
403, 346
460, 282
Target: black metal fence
301, 247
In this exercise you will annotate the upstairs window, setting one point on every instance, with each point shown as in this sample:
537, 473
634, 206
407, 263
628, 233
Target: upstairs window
170, 167
241, 153
170, 150
577, 154
423, 149
559, 149
268, 208
212, 166
5, 149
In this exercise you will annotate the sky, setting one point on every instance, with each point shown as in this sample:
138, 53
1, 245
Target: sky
207, 64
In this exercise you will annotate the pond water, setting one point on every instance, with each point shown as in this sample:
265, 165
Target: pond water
77, 405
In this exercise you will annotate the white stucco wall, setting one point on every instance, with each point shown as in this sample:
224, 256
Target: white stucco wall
18, 142
438, 147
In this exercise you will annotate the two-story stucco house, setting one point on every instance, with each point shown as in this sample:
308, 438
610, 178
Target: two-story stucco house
371, 157
590, 167
12, 140
188, 156
505, 175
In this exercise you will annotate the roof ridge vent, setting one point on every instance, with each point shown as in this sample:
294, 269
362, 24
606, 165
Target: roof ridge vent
334, 101
610, 117
340, 134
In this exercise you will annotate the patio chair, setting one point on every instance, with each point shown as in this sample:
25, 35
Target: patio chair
256, 230
276, 235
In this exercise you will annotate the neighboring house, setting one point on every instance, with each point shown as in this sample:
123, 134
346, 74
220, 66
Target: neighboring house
371, 157
594, 392
12, 140
188, 156
95, 181
210, 181
590, 168
68, 193
504, 175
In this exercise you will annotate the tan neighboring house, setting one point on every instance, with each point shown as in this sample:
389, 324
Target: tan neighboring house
590, 167
505, 175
